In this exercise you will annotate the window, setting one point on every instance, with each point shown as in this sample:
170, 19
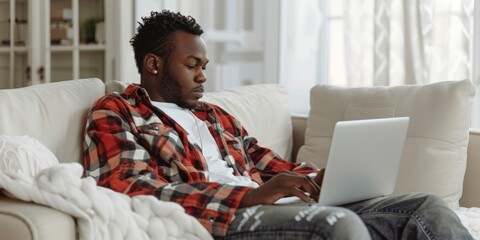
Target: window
375, 42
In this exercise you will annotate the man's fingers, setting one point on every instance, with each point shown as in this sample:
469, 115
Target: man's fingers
314, 183
304, 179
317, 189
319, 178
305, 184
301, 194
283, 185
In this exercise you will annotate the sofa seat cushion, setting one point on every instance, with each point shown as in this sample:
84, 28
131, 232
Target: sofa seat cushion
434, 157
24, 221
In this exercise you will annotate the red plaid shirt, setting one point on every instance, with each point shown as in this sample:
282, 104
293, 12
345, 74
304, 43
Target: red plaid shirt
134, 148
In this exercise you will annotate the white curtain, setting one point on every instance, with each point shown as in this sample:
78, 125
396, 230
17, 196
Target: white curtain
373, 43
407, 41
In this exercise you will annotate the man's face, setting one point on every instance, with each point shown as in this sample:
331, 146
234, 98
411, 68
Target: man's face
183, 76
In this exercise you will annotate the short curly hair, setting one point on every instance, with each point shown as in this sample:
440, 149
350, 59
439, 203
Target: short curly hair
154, 34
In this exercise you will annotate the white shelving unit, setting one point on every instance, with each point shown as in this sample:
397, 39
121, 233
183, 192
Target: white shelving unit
13, 43
48, 41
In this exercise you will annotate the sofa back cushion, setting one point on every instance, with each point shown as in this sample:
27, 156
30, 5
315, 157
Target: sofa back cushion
434, 158
263, 111
53, 113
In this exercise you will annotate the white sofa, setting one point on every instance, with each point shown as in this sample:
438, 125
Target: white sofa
55, 114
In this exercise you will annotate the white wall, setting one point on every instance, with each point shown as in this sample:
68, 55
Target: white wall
125, 67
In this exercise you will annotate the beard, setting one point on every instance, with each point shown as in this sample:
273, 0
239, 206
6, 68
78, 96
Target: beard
171, 91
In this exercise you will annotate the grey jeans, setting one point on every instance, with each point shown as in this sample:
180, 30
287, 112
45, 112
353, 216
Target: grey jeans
412, 216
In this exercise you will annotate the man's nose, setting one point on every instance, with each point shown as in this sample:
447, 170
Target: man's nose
201, 76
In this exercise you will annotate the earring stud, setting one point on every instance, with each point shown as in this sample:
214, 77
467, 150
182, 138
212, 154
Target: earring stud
154, 71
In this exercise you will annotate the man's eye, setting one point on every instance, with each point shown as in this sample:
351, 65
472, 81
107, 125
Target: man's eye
190, 66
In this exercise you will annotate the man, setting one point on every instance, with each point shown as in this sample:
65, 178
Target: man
159, 139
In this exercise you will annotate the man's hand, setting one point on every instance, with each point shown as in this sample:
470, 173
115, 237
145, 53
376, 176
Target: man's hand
282, 185
319, 178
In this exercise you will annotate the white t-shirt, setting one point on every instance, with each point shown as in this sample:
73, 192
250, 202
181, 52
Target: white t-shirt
198, 134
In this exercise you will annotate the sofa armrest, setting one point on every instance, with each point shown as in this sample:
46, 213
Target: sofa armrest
26, 220
299, 124
471, 191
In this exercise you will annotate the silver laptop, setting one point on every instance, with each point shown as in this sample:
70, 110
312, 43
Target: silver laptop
363, 160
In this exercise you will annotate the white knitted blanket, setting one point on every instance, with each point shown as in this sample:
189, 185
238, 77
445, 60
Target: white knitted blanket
100, 212
470, 218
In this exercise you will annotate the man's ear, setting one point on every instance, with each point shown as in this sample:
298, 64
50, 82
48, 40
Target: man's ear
152, 63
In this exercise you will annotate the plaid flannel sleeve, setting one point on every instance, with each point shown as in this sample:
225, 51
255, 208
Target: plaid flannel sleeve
268, 163
118, 158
